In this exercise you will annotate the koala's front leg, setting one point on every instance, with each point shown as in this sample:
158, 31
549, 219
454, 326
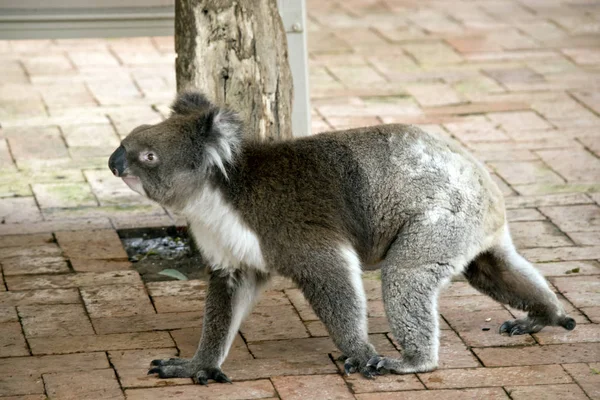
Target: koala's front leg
228, 301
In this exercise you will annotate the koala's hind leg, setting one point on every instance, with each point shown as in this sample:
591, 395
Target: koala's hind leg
428, 251
330, 279
508, 278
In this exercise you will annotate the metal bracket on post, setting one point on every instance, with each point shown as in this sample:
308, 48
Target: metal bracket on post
293, 15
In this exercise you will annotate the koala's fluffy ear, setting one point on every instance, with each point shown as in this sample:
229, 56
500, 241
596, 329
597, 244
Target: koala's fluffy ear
189, 102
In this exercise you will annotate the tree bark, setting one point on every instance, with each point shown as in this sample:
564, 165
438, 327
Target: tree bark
236, 53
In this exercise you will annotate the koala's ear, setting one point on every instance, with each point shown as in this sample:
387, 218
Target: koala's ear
222, 137
189, 102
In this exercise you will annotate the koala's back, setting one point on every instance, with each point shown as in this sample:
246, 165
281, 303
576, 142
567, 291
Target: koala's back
370, 181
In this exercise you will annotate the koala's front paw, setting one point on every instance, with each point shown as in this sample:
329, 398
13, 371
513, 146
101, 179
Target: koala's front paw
352, 365
183, 368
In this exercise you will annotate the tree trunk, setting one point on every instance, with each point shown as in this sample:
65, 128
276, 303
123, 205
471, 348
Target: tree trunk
236, 53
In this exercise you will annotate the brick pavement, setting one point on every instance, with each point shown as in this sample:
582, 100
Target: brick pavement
515, 81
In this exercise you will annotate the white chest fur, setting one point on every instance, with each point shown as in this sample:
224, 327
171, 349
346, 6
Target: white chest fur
224, 238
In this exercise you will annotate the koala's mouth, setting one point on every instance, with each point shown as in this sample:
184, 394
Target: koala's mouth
134, 184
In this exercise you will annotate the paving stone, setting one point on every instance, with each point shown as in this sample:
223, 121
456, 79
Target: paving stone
301, 305
524, 214
456, 394
8, 314
582, 291
453, 353
567, 392
433, 53
591, 238
259, 389
87, 265
178, 304
45, 250
534, 355
583, 333
55, 320
18, 210
100, 383
569, 268
476, 331
587, 376
30, 266
12, 342
83, 279
147, 322
269, 323
537, 234
572, 253
270, 367
112, 191
45, 296
287, 349
296, 387
96, 244
118, 341
187, 342
483, 377
13, 385
524, 172
38, 143
574, 165
116, 301
63, 195
435, 94
574, 218
37, 365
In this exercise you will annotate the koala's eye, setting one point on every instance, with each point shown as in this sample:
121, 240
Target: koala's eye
148, 157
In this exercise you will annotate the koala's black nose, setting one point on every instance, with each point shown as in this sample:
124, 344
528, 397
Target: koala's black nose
117, 161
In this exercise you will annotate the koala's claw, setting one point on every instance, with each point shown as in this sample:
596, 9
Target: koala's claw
352, 365
519, 327
182, 368
385, 365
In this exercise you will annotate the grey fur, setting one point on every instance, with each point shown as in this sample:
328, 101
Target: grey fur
320, 208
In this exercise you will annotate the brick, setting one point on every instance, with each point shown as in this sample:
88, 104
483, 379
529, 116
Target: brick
542, 392
537, 355
524, 214
301, 305
270, 323
118, 341
524, 172
37, 365
99, 135
259, 389
48, 296
27, 396
178, 304
573, 164
561, 253
295, 387
132, 367
55, 320
83, 279
287, 349
453, 353
86, 58
111, 191
192, 287
13, 385
433, 53
583, 333
475, 128
457, 394
582, 291
574, 218
38, 143
483, 377
12, 342
96, 244
18, 210
48, 249
147, 322
8, 314
87, 265
63, 195
269, 367
25, 240
474, 302
384, 383
470, 326
433, 94
115, 92
100, 383
52, 64
567, 268
32, 266
587, 376
116, 301
187, 342
537, 234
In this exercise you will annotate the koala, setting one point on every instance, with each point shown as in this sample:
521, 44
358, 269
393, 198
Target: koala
320, 210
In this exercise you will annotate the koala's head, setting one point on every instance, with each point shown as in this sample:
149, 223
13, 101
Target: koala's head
170, 160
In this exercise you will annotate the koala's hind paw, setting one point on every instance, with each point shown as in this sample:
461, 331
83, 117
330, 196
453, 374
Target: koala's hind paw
520, 327
383, 365
182, 368
352, 365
